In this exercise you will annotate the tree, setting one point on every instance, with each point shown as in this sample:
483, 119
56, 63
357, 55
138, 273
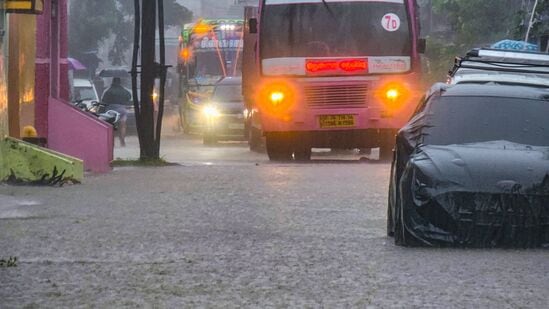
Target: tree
471, 23
91, 22
540, 25
88, 30
148, 128
174, 14
477, 22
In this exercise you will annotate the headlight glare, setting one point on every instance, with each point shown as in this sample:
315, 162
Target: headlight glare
392, 94
211, 111
276, 97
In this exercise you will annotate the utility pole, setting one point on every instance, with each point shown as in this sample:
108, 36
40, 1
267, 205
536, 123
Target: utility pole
530, 23
149, 123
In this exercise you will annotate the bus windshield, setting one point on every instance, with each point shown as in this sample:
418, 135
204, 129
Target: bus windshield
218, 63
208, 63
335, 29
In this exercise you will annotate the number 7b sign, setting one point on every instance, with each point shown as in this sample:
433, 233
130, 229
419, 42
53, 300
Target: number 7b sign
390, 22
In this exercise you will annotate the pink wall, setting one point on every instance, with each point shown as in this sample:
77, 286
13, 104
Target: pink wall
67, 129
80, 135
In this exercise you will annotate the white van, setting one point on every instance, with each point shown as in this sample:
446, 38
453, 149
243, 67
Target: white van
501, 67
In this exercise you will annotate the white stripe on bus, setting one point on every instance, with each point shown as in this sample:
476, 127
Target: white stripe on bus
296, 65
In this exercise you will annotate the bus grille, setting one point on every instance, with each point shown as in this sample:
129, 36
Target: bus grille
336, 96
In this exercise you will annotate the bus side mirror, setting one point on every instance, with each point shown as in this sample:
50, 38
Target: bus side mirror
252, 23
421, 46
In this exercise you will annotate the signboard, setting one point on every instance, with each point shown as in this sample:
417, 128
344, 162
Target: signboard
24, 6
336, 66
302, 66
208, 43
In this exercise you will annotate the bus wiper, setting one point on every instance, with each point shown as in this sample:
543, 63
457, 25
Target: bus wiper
329, 9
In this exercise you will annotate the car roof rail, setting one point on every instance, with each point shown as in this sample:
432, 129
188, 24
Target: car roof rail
517, 55
499, 60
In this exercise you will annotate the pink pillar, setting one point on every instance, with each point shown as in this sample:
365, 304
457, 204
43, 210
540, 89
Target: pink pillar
68, 130
51, 59
63, 51
42, 69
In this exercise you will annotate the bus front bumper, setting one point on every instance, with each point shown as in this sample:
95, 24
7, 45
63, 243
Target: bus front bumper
330, 120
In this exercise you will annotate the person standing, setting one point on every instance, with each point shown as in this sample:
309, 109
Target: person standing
117, 98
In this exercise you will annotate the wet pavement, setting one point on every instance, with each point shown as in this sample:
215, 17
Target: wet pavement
189, 149
227, 228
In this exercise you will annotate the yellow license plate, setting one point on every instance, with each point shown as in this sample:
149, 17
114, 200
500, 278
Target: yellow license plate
336, 121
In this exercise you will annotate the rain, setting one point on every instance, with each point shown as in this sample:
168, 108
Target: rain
274, 153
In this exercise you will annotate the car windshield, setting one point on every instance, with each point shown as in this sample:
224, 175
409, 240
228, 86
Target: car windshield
461, 120
228, 93
84, 93
335, 29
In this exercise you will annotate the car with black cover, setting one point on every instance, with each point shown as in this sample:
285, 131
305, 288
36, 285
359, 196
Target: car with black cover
471, 168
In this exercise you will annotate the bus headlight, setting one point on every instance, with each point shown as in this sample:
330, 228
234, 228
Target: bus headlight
210, 111
277, 96
393, 95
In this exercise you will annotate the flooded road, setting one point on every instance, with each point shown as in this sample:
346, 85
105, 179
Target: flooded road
227, 228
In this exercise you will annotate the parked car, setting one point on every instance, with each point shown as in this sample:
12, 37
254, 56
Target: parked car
223, 114
83, 90
471, 168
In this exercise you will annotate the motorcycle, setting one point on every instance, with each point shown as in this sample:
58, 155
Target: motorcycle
99, 110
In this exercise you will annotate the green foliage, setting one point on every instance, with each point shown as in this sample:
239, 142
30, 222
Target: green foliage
87, 29
472, 23
91, 22
541, 19
175, 14
440, 56
10, 262
152, 162
479, 21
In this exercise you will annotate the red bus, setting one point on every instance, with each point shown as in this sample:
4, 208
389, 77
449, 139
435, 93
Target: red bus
332, 74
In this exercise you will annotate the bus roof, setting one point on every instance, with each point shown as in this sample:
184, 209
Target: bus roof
214, 22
